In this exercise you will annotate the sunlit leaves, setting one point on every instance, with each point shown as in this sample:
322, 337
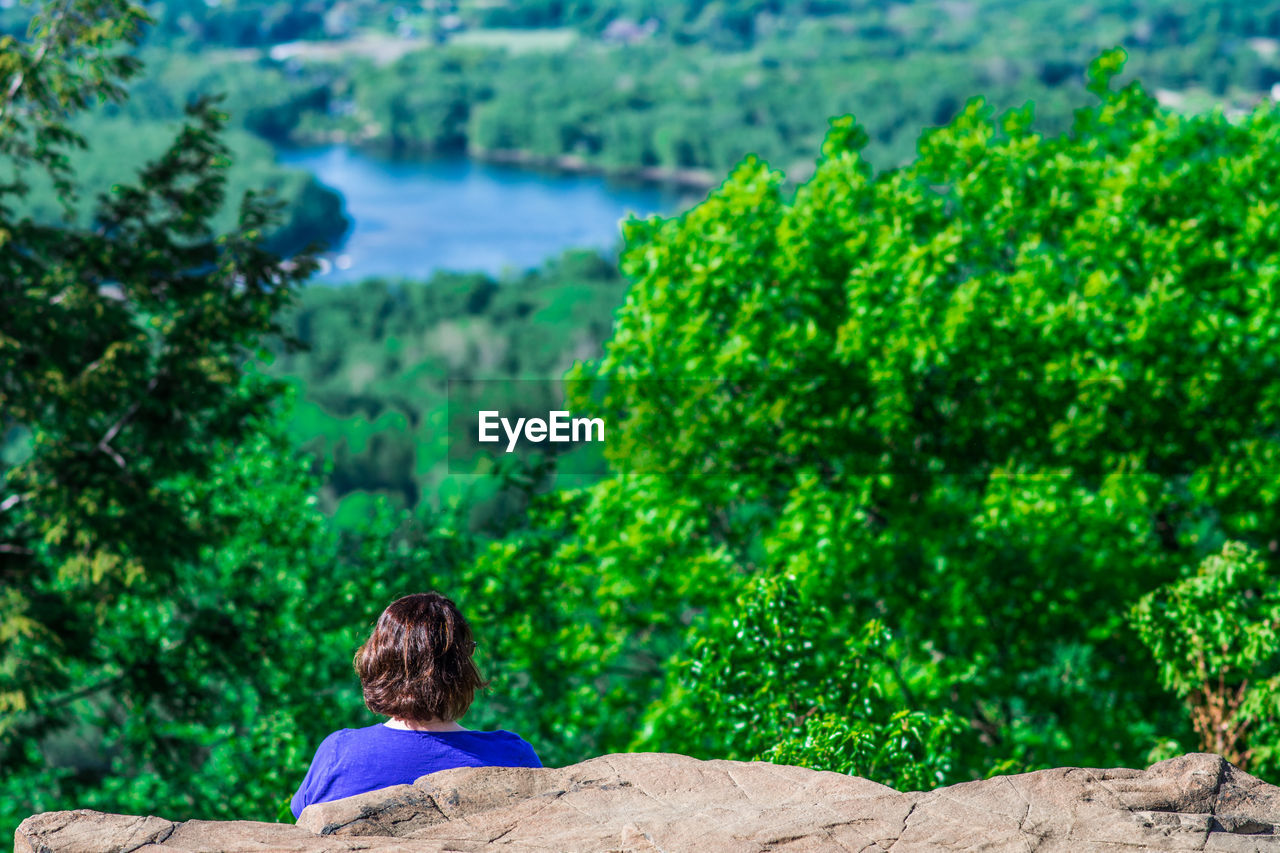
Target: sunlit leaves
123, 351
774, 681
991, 398
1215, 635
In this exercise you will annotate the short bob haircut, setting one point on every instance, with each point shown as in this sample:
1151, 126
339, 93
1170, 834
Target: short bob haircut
417, 665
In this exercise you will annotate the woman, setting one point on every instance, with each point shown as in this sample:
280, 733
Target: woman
415, 668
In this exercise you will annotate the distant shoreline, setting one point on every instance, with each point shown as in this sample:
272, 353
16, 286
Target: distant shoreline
682, 178
700, 179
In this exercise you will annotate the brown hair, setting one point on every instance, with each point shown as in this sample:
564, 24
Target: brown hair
416, 665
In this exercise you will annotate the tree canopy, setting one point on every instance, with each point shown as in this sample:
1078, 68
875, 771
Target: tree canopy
149, 517
990, 398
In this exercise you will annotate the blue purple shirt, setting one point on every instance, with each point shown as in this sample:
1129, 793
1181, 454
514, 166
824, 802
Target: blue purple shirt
354, 761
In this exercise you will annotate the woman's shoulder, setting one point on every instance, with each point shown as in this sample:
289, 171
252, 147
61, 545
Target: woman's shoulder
497, 734
348, 737
341, 735
515, 748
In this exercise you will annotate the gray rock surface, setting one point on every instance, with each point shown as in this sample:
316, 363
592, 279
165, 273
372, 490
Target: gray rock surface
655, 802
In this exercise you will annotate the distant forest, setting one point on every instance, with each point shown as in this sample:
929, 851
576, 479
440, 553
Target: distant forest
663, 90
674, 89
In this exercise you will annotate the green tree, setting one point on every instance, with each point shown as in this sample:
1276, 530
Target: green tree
159, 556
775, 682
991, 399
1215, 635
122, 347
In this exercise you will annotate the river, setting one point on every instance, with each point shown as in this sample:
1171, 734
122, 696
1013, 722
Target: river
414, 217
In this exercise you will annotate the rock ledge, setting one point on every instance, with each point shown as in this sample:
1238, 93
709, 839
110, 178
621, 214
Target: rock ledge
657, 802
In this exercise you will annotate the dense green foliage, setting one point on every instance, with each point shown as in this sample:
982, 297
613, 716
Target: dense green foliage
122, 349
765, 688
717, 81
991, 398
148, 520
1216, 638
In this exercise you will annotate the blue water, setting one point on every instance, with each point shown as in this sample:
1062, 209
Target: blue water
413, 217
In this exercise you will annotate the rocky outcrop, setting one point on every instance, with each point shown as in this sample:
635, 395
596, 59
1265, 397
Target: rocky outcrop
654, 802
